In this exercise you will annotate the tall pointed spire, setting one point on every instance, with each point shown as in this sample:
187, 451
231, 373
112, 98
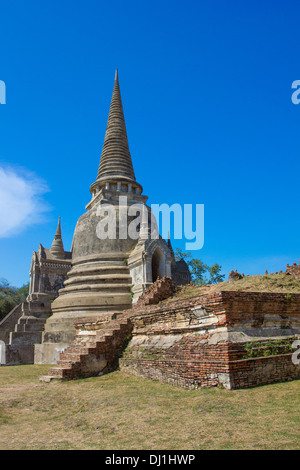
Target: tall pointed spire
115, 162
57, 248
115, 171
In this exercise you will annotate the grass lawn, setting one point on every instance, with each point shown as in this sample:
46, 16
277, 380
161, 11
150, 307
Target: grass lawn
120, 411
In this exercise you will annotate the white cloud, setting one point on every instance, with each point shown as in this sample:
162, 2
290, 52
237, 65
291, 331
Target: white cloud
21, 203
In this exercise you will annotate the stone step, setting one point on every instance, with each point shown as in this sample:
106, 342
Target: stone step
71, 356
81, 351
65, 371
103, 288
48, 378
66, 364
74, 348
100, 279
110, 331
57, 372
28, 316
97, 344
101, 269
113, 327
29, 324
23, 337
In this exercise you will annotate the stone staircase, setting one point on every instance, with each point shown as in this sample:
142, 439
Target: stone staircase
29, 328
22, 329
95, 350
100, 341
9, 322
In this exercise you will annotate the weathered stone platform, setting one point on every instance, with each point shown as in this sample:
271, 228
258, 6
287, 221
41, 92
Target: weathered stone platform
233, 339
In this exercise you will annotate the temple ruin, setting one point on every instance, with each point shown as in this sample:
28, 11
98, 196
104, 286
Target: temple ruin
108, 302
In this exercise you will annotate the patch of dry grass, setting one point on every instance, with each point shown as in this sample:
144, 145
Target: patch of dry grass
119, 411
280, 283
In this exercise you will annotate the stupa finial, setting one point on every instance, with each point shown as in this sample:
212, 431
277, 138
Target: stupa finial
57, 247
115, 162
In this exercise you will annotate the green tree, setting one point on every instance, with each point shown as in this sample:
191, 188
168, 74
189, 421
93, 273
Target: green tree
199, 270
215, 274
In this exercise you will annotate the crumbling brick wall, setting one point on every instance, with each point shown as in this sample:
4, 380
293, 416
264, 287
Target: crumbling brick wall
192, 364
191, 342
161, 289
187, 363
263, 370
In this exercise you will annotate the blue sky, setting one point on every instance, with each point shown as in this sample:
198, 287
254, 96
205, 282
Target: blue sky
206, 90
